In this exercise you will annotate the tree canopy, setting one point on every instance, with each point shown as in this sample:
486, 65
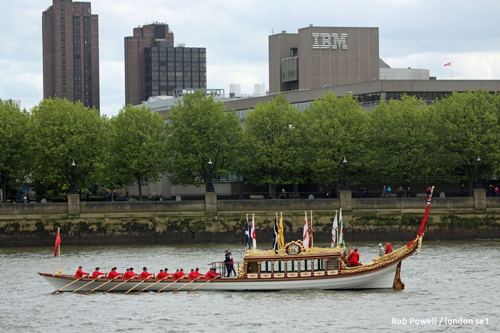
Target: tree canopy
465, 126
63, 132
274, 151
400, 137
138, 146
199, 131
14, 155
336, 128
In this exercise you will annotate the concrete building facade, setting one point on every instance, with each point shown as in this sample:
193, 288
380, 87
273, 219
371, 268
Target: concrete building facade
322, 56
154, 67
71, 52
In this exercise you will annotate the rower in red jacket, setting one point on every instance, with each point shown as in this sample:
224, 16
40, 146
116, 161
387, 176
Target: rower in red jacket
194, 274
388, 247
197, 272
96, 273
354, 258
179, 274
79, 273
166, 274
160, 275
145, 274
129, 274
211, 274
113, 273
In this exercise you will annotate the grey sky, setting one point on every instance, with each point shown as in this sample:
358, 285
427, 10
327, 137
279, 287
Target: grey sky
413, 33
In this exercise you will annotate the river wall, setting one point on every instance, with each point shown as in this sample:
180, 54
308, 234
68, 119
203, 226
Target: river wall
223, 221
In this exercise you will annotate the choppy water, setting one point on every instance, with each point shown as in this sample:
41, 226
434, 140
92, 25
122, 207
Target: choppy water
450, 286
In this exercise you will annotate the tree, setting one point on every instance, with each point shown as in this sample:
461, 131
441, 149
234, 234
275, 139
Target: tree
336, 129
14, 153
138, 146
199, 131
274, 152
467, 126
399, 141
64, 132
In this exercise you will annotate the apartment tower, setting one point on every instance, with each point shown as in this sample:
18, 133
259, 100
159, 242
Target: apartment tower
71, 52
154, 67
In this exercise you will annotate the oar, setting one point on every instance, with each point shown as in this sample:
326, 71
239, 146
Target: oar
187, 284
88, 292
86, 284
119, 284
204, 283
168, 285
69, 284
138, 292
135, 286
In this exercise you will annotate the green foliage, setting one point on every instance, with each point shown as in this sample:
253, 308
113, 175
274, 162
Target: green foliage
14, 138
274, 151
63, 132
465, 126
335, 128
399, 141
199, 131
138, 147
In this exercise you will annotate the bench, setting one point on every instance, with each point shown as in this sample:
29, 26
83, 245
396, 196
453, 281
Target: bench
256, 196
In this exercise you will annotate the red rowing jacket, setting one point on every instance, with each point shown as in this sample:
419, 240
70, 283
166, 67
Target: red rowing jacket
178, 275
79, 273
95, 274
210, 275
113, 274
129, 274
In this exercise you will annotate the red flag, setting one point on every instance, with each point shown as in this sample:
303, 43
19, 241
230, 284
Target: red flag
58, 242
448, 64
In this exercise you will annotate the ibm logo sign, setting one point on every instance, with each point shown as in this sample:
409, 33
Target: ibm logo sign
322, 40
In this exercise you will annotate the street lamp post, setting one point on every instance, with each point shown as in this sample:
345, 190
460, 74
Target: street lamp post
479, 183
345, 184
210, 185
72, 188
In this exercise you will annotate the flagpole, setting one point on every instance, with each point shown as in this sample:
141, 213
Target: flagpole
311, 242
59, 251
247, 236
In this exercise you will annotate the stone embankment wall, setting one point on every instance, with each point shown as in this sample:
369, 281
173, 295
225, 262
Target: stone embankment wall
223, 221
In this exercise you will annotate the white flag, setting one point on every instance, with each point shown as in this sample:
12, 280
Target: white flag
305, 234
340, 238
334, 230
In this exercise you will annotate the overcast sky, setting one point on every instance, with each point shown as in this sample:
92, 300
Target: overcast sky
413, 33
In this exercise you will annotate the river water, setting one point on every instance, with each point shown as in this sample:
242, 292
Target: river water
450, 286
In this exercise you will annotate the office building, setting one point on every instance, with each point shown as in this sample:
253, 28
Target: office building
318, 57
71, 52
16, 102
155, 67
